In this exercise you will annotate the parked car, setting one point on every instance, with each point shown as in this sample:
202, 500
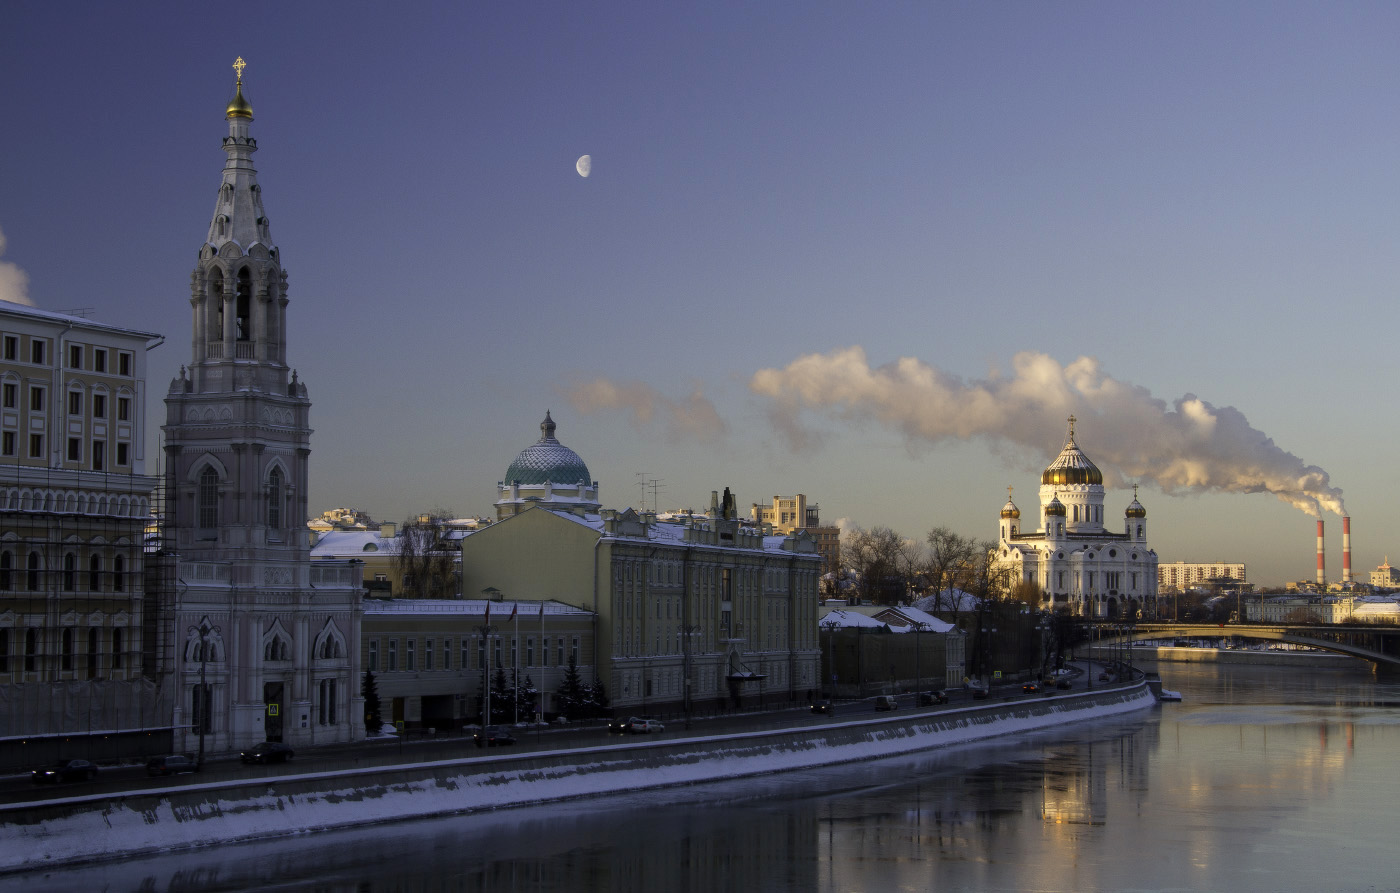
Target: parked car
493, 736
929, 698
1031, 688
822, 706
979, 693
64, 770
885, 702
646, 726
267, 752
171, 764
1064, 682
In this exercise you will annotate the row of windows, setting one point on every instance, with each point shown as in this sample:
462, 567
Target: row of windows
277, 648
33, 654
9, 399
35, 578
473, 652
38, 355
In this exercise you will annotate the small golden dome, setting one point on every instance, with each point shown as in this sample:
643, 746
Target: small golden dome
1010, 510
1055, 507
239, 107
1135, 509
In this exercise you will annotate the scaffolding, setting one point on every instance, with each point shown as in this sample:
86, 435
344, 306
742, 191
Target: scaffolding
86, 585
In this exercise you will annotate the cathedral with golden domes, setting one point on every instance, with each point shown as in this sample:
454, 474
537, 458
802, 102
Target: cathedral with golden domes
1078, 564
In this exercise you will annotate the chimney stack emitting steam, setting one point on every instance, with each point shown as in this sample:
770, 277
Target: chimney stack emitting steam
1346, 549
1321, 558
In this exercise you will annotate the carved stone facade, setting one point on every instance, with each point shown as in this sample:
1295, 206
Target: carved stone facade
266, 645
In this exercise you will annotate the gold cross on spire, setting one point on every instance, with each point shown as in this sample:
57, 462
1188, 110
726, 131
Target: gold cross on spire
1008, 493
1135, 486
1072, 420
238, 66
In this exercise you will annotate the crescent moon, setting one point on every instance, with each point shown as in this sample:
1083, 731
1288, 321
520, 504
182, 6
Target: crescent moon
584, 166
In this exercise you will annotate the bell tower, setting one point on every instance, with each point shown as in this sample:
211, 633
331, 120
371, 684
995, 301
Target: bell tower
237, 445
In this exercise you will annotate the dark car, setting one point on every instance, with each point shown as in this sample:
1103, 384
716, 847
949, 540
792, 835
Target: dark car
980, 694
823, 706
885, 702
64, 770
493, 736
267, 752
171, 764
1031, 688
620, 725
1064, 683
929, 698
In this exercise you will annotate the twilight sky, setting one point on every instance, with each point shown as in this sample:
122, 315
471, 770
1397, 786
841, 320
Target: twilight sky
874, 253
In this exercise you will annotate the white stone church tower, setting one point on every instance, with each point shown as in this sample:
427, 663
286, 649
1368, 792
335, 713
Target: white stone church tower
274, 639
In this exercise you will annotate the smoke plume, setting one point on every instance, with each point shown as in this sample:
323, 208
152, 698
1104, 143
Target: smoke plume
692, 418
1187, 446
14, 282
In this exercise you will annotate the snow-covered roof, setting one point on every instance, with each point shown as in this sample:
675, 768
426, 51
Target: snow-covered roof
352, 543
472, 607
901, 618
948, 600
849, 619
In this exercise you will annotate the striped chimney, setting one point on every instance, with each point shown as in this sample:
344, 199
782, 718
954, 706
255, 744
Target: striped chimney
1321, 557
1346, 549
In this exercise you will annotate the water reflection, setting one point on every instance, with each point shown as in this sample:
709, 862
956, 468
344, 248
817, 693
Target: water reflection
1262, 780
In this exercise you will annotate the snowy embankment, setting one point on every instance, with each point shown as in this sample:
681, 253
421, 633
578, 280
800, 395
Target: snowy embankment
78, 829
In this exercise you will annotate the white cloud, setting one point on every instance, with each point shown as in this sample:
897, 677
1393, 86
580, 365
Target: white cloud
14, 282
693, 418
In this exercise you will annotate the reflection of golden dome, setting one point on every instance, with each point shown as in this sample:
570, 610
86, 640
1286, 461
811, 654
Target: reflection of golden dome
1055, 507
1010, 511
239, 107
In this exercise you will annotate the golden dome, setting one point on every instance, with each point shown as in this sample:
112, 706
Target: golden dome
1135, 510
1055, 507
238, 107
1071, 466
1010, 511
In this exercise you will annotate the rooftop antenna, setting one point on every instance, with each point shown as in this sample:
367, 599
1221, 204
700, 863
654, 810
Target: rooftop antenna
642, 483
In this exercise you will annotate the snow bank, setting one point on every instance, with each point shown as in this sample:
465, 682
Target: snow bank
79, 829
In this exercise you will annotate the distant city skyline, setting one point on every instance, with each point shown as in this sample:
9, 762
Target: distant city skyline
874, 255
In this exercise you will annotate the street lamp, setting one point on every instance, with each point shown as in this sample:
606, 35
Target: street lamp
685, 635
830, 626
202, 717
919, 626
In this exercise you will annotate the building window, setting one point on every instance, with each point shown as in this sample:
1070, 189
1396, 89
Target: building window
75, 449
123, 409
561, 660
31, 572
6, 569
123, 453
327, 707
374, 655
573, 653
447, 654
117, 648
428, 654
95, 573
480, 653
4, 650
393, 655
70, 572
99, 455
36, 399
466, 655
36, 352
75, 356
11, 347
11, 395
66, 655
36, 446
75, 402
31, 650
99, 360
124, 364
408, 655
118, 573
99, 406
92, 646
274, 499
544, 651
530, 651
496, 651
209, 499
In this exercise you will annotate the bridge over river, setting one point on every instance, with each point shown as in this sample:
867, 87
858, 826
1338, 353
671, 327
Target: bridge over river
1380, 645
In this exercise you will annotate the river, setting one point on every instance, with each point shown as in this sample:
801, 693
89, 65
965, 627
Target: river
1263, 779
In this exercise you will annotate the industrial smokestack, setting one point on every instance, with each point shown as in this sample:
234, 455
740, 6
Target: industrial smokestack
1321, 558
1346, 549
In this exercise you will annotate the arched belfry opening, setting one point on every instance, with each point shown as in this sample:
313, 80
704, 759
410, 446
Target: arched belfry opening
242, 329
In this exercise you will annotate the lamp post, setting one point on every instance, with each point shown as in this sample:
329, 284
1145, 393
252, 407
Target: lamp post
685, 635
919, 626
830, 626
202, 717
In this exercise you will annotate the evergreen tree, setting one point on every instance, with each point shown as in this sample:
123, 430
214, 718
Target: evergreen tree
573, 696
598, 698
501, 707
526, 697
369, 690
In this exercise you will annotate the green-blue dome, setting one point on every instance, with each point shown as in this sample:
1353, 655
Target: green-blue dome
547, 461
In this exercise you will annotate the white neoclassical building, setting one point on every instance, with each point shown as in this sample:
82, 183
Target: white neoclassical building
264, 641
1077, 562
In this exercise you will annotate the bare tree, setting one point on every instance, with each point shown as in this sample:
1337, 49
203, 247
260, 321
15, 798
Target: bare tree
426, 560
951, 564
874, 556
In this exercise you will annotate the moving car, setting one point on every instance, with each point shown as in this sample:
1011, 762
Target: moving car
646, 726
64, 770
1031, 688
267, 752
493, 736
885, 702
171, 764
979, 693
1064, 682
620, 725
929, 698
822, 706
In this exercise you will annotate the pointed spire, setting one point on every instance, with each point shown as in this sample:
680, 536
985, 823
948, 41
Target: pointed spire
547, 428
